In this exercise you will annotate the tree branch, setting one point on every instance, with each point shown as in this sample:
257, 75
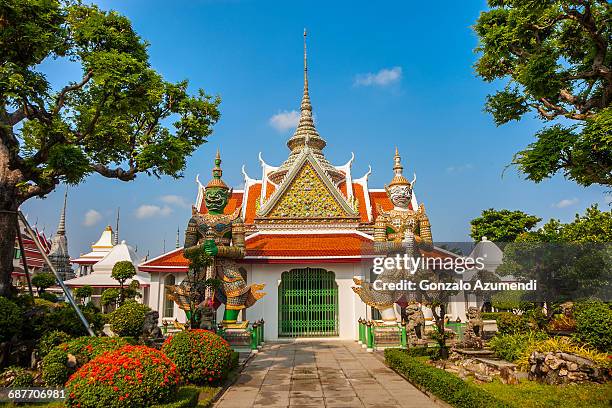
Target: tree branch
62, 95
118, 173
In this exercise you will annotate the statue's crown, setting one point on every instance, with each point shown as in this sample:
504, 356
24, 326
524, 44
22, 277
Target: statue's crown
216, 181
398, 170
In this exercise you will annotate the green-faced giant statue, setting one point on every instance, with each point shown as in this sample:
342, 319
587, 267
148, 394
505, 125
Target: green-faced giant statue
222, 237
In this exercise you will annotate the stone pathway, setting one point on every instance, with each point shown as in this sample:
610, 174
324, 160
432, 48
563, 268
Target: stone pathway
320, 374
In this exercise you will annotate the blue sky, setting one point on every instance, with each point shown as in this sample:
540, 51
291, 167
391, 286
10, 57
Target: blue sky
380, 77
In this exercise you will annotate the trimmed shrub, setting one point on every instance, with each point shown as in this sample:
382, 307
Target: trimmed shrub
133, 376
511, 347
201, 356
444, 385
10, 319
64, 318
55, 368
594, 324
50, 340
50, 297
490, 315
128, 319
509, 323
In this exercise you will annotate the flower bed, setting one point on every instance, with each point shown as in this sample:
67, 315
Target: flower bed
66, 358
201, 356
133, 376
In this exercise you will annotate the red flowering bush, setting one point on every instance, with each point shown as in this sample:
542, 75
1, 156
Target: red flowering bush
56, 368
201, 356
133, 376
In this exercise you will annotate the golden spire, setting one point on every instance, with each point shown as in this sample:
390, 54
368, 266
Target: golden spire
217, 173
306, 125
306, 135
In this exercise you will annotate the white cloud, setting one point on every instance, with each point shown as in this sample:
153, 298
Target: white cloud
148, 211
92, 217
567, 202
384, 77
460, 168
176, 200
285, 120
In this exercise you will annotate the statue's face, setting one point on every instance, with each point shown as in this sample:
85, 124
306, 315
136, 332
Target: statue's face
216, 199
400, 196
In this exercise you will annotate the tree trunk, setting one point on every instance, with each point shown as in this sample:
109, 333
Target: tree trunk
8, 233
9, 203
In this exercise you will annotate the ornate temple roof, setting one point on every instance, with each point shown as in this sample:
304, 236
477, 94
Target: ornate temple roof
305, 210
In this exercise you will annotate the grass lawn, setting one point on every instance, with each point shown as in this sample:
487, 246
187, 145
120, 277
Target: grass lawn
530, 394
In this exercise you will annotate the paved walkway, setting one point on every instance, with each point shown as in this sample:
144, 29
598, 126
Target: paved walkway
320, 374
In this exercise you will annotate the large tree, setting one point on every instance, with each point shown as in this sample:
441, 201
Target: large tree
555, 59
501, 225
569, 261
118, 119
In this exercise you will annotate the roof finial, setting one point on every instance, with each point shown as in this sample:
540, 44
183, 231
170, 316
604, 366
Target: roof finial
177, 236
61, 228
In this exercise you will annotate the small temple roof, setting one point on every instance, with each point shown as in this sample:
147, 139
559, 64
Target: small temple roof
99, 249
101, 275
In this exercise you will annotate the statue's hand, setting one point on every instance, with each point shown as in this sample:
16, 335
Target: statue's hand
210, 248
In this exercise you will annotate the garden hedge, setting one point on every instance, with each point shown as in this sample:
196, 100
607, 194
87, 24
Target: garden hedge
201, 356
444, 385
127, 320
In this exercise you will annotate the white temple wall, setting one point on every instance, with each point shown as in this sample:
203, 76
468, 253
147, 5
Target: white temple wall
350, 306
156, 298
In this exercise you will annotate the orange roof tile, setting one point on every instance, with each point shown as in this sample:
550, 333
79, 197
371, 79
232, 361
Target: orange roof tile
307, 245
254, 193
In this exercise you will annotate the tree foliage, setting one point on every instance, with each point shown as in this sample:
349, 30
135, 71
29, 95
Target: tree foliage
83, 293
122, 271
568, 261
113, 115
555, 57
42, 281
119, 118
501, 225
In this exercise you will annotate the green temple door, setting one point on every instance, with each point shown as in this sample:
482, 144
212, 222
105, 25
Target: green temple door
308, 303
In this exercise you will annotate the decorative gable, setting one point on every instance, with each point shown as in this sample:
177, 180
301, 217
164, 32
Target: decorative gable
307, 193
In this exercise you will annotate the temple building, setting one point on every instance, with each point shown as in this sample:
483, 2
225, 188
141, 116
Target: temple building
99, 250
99, 273
308, 224
58, 255
31, 254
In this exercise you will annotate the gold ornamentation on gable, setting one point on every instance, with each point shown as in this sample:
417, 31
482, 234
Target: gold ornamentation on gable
307, 197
